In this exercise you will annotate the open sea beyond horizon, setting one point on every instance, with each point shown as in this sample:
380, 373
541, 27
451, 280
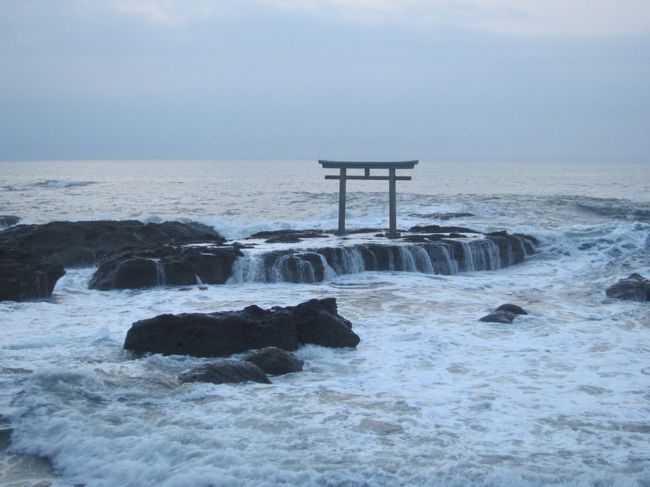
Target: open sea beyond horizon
431, 396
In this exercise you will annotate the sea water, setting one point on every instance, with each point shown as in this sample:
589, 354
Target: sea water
431, 396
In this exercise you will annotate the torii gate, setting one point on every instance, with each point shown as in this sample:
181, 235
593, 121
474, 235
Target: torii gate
367, 166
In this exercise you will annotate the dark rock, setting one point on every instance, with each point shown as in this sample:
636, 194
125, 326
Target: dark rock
499, 317
635, 287
320, 324
225, 371
8, 220
439, 229
225, 333
165, 265
84, 243
512, 308
24, 276
275, 361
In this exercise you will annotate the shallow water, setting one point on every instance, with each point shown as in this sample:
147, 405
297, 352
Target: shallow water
431, 396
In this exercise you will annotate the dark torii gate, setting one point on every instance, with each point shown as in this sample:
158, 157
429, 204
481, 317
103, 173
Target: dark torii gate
392, 167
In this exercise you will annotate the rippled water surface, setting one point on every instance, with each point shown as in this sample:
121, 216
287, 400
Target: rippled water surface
431, 396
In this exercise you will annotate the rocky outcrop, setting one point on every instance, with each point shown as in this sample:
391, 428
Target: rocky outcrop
275, 361
174, 266
225, 333
24, 276
506, 313
635, 287
84, 243
225, 371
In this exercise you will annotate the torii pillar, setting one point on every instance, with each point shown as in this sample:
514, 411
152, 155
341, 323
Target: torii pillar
392, 177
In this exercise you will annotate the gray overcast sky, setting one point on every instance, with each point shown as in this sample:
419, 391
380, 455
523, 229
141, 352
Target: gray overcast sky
561, 80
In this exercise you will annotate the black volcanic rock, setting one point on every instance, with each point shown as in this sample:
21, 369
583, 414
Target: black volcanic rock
224, 333
635, 287
512, 308
84, 243
275, 361
165, 265
225, 371
24, 276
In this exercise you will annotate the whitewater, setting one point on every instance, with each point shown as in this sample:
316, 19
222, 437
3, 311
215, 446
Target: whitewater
431, 396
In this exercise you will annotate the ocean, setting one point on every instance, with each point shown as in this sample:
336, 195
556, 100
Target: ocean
431, 396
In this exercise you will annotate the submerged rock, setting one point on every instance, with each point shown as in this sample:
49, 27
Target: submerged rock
24, 276
174, 266
84, 243
225, 372
635, 287
225, 333
275, 361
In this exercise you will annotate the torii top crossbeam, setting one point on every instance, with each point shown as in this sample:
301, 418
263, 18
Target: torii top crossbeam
392, 166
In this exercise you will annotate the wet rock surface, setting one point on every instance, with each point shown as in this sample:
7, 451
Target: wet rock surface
275, 361
506, 313
166, 265
84, 243
225, 333
635, 287
24, 276
225, 371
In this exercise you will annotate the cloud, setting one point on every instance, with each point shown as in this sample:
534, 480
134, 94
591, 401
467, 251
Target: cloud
513, 17
169, 12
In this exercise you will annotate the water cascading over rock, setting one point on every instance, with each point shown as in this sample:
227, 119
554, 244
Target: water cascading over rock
441, 256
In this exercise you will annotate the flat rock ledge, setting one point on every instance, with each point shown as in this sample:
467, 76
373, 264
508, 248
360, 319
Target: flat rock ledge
634, 287
225, 333
24, 276
225, 371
